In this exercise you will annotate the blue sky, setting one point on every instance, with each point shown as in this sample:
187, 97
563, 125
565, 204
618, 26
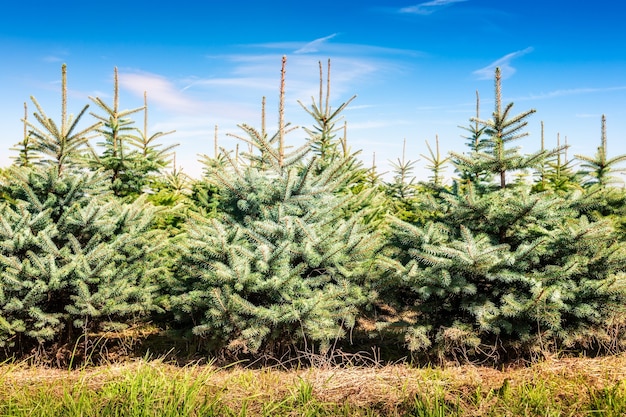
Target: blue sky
414, 66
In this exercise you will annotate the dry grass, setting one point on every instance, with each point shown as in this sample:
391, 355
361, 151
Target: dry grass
388, 389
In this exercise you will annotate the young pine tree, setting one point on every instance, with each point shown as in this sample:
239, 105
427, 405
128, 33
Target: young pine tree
283, 265
556, 172
62, 146
600, 170
26, 148
491, 155
130, 158
72, 261
506, 266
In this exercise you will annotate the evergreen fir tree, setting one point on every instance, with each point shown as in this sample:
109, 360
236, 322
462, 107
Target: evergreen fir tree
402, 188
557, 173
475, 140
71, 260
403, 193
323, 135
599, 169
116, 128
27, 151
470, 174
329, 150
505, 266
526, 268
128, 159
173, 191
492, 155
283, 264
436, 164
153, 156
61, 145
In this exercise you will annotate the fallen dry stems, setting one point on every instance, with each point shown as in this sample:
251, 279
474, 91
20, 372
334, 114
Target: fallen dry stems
384, 388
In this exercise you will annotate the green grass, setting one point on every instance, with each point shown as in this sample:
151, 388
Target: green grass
566, 387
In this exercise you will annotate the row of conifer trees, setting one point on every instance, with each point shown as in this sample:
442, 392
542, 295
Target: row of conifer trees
278, 249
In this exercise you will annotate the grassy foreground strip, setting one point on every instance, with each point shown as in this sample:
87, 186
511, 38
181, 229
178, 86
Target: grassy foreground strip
557, 387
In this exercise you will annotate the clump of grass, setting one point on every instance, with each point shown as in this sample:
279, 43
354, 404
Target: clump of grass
572, 387
141, 389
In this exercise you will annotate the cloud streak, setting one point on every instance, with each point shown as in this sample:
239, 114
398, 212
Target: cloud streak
52, 59
429, 7
314, 46
255, 74
503, 63
343, 49
164, 93
572, 92
160, 91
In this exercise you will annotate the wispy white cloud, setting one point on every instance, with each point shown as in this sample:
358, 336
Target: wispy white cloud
361, 107
229, 90
314, 46
164, 93
371, 124
335, 48
234, 82
160, 91
429, 7
588, 115
100, 93
52, 59
56, 55
257, 74
503, 63
573, 91
80, 95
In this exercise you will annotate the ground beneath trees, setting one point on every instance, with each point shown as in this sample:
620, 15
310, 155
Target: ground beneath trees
554, 385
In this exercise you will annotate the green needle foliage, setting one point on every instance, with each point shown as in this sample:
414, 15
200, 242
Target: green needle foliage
72, 261
129, 159
283, 265
402, 188
63, 145
557, 173
436, 164
281, 248
405, 197
491, 156
475, 140
116, 129
505, 268
26, 148
324, 143
514, 269
600, 169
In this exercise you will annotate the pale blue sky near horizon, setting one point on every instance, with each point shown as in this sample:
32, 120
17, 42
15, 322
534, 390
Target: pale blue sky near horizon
414, 65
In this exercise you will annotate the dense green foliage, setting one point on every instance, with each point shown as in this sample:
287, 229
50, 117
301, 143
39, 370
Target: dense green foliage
282, 248
71, 257
282, 263
503, 264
